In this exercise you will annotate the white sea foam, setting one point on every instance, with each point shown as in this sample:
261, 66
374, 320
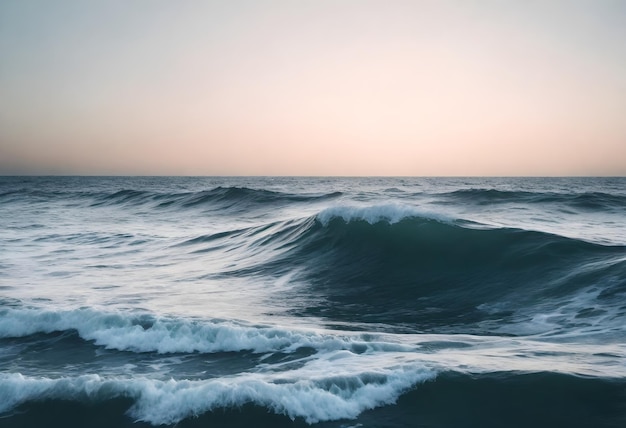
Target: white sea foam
167, 335
389, 213
329, 385
309, 392
348, 374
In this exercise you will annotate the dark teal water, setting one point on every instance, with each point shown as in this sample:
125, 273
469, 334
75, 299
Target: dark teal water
331, 302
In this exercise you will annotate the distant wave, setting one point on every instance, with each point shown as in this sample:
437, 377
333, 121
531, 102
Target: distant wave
217, 198
587, 200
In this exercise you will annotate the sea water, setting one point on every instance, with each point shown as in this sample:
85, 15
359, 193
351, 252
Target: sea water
331, 302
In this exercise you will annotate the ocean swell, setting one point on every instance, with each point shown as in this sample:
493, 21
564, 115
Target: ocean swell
584, 200
396, 264
214, 199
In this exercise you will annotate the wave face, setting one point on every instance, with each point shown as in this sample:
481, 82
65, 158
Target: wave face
391, 265
332, 302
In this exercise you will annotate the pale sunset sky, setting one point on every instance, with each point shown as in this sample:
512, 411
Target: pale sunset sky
313, 87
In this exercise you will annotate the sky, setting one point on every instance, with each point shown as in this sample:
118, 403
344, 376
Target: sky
313, 87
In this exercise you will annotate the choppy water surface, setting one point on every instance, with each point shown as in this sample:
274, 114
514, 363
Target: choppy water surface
335, 302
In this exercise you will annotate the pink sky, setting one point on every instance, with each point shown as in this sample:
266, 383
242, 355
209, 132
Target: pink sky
313, 88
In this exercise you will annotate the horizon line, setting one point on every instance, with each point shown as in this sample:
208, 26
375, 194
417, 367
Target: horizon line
305, 176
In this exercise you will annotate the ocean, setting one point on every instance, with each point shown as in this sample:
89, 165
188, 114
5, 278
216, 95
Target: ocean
323, 302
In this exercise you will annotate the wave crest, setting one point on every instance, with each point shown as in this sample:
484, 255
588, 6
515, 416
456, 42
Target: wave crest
304, 393
389, 213
164, 335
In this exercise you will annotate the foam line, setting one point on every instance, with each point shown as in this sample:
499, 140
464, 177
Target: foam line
166, 335
303, 394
